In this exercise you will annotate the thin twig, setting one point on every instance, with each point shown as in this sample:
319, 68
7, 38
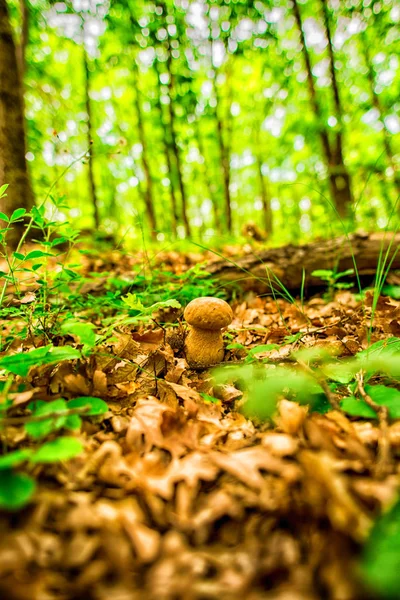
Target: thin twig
384, 453
333, 401
81, 410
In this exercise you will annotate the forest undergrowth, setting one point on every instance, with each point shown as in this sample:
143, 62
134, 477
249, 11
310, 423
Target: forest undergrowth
130, 475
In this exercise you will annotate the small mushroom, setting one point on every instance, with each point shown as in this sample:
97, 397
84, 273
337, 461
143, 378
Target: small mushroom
206, 317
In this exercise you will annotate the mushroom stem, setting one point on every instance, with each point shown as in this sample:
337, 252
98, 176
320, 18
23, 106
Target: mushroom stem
204, 347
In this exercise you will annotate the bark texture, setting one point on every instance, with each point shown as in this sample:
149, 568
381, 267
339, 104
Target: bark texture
258, 271
338, 176
91, 181
13, 167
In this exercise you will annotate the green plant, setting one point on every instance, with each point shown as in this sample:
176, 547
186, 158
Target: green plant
314, 374
252, 353
380, 563
331, 277
43, 419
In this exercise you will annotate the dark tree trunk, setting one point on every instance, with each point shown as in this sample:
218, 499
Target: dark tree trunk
13, 166
287, 263
172, 122
174, 144
148, 192
339, 178
88, 106
225, 167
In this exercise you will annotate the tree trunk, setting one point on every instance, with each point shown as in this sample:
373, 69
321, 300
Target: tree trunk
148, 192
21, 49
225, 165
339, 179
167, 153
258, 272
88, 106
13, 166
264, 193
172, 120
174, 144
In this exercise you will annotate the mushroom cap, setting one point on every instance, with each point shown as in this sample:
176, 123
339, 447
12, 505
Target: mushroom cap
208, 313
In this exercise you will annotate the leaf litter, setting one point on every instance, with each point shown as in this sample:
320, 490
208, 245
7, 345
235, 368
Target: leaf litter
178, 494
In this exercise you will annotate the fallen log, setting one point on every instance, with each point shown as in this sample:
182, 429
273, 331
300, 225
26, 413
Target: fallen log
259, 270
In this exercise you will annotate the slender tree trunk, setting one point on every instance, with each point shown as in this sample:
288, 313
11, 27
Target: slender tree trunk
265, 196
88, 106
148, 192
172, 123
225, 163
174, 144
13, 166
339, 179
21, 48
167, 153
222, 146
376, 103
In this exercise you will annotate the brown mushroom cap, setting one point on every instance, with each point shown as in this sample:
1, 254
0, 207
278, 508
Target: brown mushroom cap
208, 313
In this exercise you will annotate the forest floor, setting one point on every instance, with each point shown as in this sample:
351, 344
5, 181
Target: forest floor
178, 494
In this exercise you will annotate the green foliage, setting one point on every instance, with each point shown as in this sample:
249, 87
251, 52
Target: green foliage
264, 383
95, 406
150, 57
332, 280
383, 349
380, 394
134, 303
16, 489
381, 555
60, 417
43, 428
208, 398
15, 458
391, 290
83, 331
62, 448
47, 355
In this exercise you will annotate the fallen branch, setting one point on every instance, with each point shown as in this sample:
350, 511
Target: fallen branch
332, 399
286, 264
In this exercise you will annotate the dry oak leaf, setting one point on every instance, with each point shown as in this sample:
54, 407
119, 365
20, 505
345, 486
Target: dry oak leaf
175, 372
149, 340
342, 509
151, 474
144, 429
185, 393
113, 353
247, 464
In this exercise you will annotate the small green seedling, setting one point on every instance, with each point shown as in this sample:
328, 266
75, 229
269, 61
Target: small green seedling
332, 280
